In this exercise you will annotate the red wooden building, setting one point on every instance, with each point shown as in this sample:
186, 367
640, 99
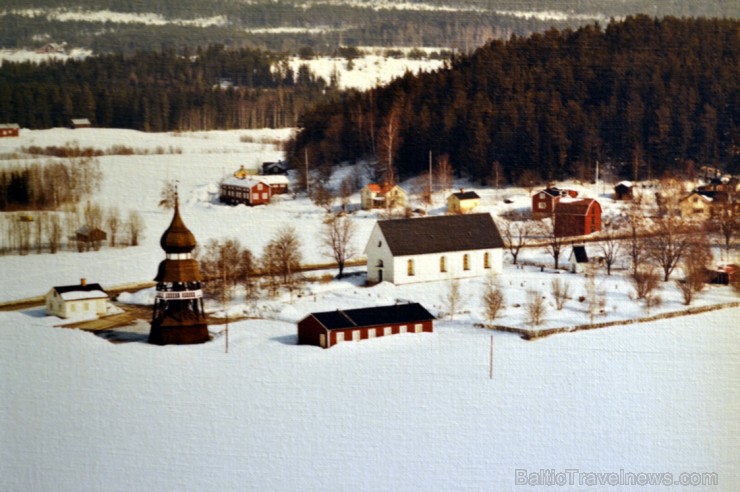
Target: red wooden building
9, 130
329, 328
543, 202
249, 191
577, 217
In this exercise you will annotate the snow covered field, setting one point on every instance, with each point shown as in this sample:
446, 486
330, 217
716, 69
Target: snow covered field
408, 412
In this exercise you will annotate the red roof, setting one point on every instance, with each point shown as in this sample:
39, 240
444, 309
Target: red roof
575, 207
376, 188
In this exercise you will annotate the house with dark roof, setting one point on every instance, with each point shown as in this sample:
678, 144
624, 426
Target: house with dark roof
578, 259
329, 328
434, 248
544, 201
623, 191
462, 202
72, 301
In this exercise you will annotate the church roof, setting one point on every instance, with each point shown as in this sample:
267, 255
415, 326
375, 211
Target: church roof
177, 238
439, 234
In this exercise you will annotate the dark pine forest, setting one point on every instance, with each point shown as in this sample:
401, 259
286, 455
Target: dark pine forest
201, 89
642, 96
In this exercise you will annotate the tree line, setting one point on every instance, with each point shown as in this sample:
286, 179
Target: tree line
202, 89
641, 97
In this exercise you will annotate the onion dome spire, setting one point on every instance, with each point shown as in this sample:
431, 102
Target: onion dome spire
177, 238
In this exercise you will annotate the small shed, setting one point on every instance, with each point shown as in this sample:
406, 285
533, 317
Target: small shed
725, 274
578, 259
83, 300
329, 328
9, 130
81, 123
89, 237
462, 202
623, 191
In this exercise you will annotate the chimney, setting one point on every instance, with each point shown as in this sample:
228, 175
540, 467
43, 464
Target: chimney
83, 282
462, 191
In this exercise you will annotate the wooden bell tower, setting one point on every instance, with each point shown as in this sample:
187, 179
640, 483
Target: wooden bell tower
178, 316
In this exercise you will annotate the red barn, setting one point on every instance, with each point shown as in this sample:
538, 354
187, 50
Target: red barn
543, 202
9, 129
577, 217
329, 328
250, 191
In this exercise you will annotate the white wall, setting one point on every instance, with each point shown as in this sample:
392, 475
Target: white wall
427, 267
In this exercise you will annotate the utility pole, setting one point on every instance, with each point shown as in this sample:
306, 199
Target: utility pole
490, 363
308, 181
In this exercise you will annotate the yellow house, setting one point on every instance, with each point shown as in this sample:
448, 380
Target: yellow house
73, 301
386, 196
462, 202
696, 205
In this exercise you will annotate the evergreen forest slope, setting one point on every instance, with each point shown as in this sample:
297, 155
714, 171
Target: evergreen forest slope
642, 96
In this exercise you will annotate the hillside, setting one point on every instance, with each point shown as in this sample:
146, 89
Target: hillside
106, 26
641, 97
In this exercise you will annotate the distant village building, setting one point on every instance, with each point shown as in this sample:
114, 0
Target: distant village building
178, 316
71, 301
329, 328
462, 202
279, 167
434, 248
51, 48
725, 274
543, 202
9, 130
386, 196
251, 189
89, 238
577, 217
81, 123
696, 205
623, 191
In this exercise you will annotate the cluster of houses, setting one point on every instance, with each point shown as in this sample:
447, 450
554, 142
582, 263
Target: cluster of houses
13, 129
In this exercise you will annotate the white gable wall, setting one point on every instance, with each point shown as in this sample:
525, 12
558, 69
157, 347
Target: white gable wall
377, 251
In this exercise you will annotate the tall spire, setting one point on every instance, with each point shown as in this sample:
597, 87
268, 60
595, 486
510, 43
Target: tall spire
177, 238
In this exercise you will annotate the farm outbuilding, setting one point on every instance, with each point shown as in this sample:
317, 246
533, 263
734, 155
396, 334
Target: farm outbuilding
81, 123
577, 217
329, 328
462, 202
249, 191
623, 191
9, 130
544, 201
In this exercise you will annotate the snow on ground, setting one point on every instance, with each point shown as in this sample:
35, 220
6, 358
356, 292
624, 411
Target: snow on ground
367, 71
406, 412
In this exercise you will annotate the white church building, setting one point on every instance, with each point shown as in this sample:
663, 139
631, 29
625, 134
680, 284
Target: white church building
434, 248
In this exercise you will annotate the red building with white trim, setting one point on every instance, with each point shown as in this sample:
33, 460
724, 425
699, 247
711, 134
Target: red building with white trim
329, 328
543, 202
249, 191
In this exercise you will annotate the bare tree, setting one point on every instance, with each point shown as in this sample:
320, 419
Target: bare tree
517, 235
645, 281
493, 298
668, 242
595, 296
637, 229
220, 264
322, 196
529, 179
339, 232
168, 195
345, 192
496, 175
389, 139
54, 232
134, 226
694, 267
610, 246
443, 173
41, 221
452, 297
726, 219
113, 221
553, 243
560, 290
284, 255
535, 308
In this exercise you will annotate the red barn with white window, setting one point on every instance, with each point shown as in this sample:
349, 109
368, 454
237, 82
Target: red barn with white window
329, 328
543, 202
